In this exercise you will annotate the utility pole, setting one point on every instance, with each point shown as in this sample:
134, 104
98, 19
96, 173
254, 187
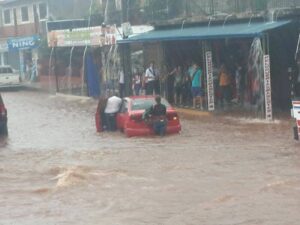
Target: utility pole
126, 51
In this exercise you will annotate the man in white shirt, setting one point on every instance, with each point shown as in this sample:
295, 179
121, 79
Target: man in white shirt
150, 79
112, 108
121, 83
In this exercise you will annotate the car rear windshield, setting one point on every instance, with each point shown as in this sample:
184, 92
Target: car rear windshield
143, 104
6, 70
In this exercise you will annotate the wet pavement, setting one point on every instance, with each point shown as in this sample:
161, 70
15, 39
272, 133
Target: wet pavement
55, 169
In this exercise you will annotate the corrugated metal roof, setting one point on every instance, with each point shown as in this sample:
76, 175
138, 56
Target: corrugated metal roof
206, 33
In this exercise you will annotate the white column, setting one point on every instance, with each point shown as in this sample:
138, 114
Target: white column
35, 60
210, 82
268, 88
22, 65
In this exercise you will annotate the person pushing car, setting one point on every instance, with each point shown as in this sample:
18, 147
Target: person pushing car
158, 113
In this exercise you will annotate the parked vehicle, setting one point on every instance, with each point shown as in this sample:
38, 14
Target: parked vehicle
296, 114
130, 118
3, 118
8, 78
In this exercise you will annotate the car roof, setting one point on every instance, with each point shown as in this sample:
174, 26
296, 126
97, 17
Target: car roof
142, 97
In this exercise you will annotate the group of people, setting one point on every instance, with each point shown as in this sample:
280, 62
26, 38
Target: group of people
108, 108
186, 85
176, 85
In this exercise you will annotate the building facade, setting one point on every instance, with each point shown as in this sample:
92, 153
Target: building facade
23, 27
186, 31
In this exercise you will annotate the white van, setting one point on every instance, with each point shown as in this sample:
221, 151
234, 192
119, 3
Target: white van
8, 78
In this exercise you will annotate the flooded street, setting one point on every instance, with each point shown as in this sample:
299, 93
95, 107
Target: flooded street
56, 170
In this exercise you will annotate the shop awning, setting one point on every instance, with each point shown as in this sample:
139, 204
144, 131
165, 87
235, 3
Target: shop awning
205, 33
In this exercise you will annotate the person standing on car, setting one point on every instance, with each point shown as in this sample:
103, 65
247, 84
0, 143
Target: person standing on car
158, 113
112, 108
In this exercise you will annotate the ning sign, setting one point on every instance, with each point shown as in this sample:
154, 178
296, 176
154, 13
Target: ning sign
268, 88
210, 82
23, 43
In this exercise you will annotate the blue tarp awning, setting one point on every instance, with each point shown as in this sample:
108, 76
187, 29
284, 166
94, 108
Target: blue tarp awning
205, 33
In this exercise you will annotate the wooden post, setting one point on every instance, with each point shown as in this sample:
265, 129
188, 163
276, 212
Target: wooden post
55, 70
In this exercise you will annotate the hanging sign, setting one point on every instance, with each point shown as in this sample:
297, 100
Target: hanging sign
91, 36
296, 114
296, 110
23, 43
268, 88
210, 82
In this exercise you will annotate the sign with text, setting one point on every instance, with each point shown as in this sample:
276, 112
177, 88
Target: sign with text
296, 110
210, 82
268, 88
23, 43
91, 36
296, 114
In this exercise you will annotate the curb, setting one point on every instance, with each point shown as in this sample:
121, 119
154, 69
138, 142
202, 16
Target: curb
74, 97
192, 112
35, 88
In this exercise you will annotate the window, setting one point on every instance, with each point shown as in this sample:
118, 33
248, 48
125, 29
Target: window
143, 104
118, 4
24, 14
43, 12
124, 107
6, 70
7, 16
5, 58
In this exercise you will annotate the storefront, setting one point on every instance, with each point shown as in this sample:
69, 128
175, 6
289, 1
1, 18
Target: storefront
244, 47
86, 53
27, 50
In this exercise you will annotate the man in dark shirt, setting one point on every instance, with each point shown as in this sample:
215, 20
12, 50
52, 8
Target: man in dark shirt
158, 114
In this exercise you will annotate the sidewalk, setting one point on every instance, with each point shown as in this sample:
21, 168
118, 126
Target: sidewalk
186, 112
36, 86
192, 112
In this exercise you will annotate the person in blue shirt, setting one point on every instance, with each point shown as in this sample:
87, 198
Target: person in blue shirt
196, 73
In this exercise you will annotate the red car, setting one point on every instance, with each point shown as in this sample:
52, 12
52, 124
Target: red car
130, 118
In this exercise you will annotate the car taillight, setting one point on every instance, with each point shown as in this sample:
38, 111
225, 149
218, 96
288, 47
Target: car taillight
173, 116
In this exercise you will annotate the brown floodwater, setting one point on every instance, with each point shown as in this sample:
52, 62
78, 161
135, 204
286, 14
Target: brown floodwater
55, 169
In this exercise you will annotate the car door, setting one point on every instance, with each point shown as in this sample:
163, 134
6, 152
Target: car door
123, 114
